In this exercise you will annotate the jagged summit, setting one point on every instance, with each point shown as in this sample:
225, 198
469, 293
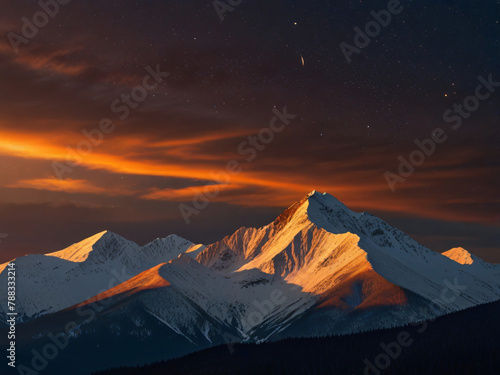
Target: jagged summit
324, 199
319, 204
327, 212
109, 245
170, 241
311, 193
304, 234
312, 207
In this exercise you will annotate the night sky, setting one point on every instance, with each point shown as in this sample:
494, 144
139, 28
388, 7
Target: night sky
224, 81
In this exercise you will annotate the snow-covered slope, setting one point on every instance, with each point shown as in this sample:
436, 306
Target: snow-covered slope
353, 261
52, 282
318, 269
178, 293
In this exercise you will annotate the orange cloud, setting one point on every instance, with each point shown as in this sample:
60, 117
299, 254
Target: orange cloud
48, 60
188, 193
37, 147
67, 186
358, 187
197, 139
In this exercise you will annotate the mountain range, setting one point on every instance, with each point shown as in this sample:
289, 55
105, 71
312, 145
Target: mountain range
319, 269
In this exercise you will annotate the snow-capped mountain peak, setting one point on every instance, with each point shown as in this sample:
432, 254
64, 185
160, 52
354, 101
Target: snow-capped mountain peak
79, 252
314, 208
319, 268
321, 245
322, 208
54, 281
460, 255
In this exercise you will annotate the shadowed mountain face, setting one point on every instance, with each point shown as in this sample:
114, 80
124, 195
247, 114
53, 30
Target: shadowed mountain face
318, 269
462, 343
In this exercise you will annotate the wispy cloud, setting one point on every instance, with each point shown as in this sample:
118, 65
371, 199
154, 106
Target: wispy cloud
67, 186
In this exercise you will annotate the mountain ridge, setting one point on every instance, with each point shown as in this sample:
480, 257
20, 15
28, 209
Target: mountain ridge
318, 269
